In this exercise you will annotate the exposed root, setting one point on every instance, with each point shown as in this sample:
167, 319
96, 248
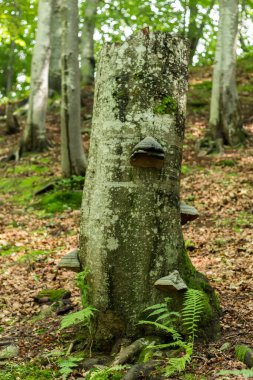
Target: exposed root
127, 353
143, 371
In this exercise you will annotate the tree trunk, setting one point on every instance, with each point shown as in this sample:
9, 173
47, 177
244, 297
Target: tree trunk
55, 59
72, 152
34, 138
87, 42
195, 31
225, 123
130, 229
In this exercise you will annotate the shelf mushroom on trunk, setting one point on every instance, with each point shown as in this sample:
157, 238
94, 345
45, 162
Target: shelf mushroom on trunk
70, 261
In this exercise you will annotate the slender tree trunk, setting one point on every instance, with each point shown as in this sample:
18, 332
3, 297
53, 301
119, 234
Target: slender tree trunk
34, 137
195, 31
225, 119
72, 152
9, 69
130, 229
55, 59
87, 42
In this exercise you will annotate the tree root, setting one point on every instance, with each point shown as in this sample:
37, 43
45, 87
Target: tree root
143, 371
126, 354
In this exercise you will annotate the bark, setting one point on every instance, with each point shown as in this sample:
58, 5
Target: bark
87, 42
55, 59
34, 137
225, 123
130, 227
72, 153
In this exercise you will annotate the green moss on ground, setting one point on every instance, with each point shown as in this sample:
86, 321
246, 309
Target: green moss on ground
6, 250
59, 201
53, 295
26, 371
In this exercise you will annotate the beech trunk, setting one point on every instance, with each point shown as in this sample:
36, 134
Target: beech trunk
34, 137
225, 124
130, 227
73, 159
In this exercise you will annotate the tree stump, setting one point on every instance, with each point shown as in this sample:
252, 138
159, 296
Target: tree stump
131, 229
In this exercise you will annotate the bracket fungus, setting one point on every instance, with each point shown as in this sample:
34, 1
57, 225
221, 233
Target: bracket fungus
171, 283
188, 213
148, 153
71, 261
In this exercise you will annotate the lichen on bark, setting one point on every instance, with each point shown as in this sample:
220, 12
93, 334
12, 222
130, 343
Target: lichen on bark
130, 229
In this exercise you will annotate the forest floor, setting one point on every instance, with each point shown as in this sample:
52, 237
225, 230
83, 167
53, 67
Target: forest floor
35, 234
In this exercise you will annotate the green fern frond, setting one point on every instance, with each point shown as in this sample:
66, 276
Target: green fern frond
107, 373
177, 364
247, 373
83, 316
193, 307
170, 330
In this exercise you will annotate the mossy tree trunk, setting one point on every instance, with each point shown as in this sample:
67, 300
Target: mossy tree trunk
225, 124
34, 137
73, 160
130, 229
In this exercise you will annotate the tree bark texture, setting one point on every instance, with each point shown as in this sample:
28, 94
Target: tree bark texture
55, 59
72, 153
34, 137
87, 42
130, 228
225, 119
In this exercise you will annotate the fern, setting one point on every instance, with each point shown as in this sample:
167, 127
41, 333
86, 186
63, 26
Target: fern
247, 373
67, 365
193, 307
114, 373
83, 316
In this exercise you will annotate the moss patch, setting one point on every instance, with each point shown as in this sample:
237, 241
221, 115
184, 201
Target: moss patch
166, 106
27, 371
6, 250
53, 295
59, 201
33, 256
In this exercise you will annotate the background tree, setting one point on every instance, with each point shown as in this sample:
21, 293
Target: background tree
55, 59
34, 137
225, 124
72, 153
87, 42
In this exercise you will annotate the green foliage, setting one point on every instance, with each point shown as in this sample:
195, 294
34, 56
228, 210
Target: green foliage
75, 182
83, 316
165, 320
193, 307
6, 250
80, 317
33, 256
247, 373
112, 373
67, 365
27, 371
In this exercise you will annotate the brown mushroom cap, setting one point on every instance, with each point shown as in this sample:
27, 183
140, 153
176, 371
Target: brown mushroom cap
148, 153
188, 213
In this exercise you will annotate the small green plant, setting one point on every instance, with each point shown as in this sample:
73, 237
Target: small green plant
85, 315
67, 365
193, 307
112, 373
247, 373
27, 371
